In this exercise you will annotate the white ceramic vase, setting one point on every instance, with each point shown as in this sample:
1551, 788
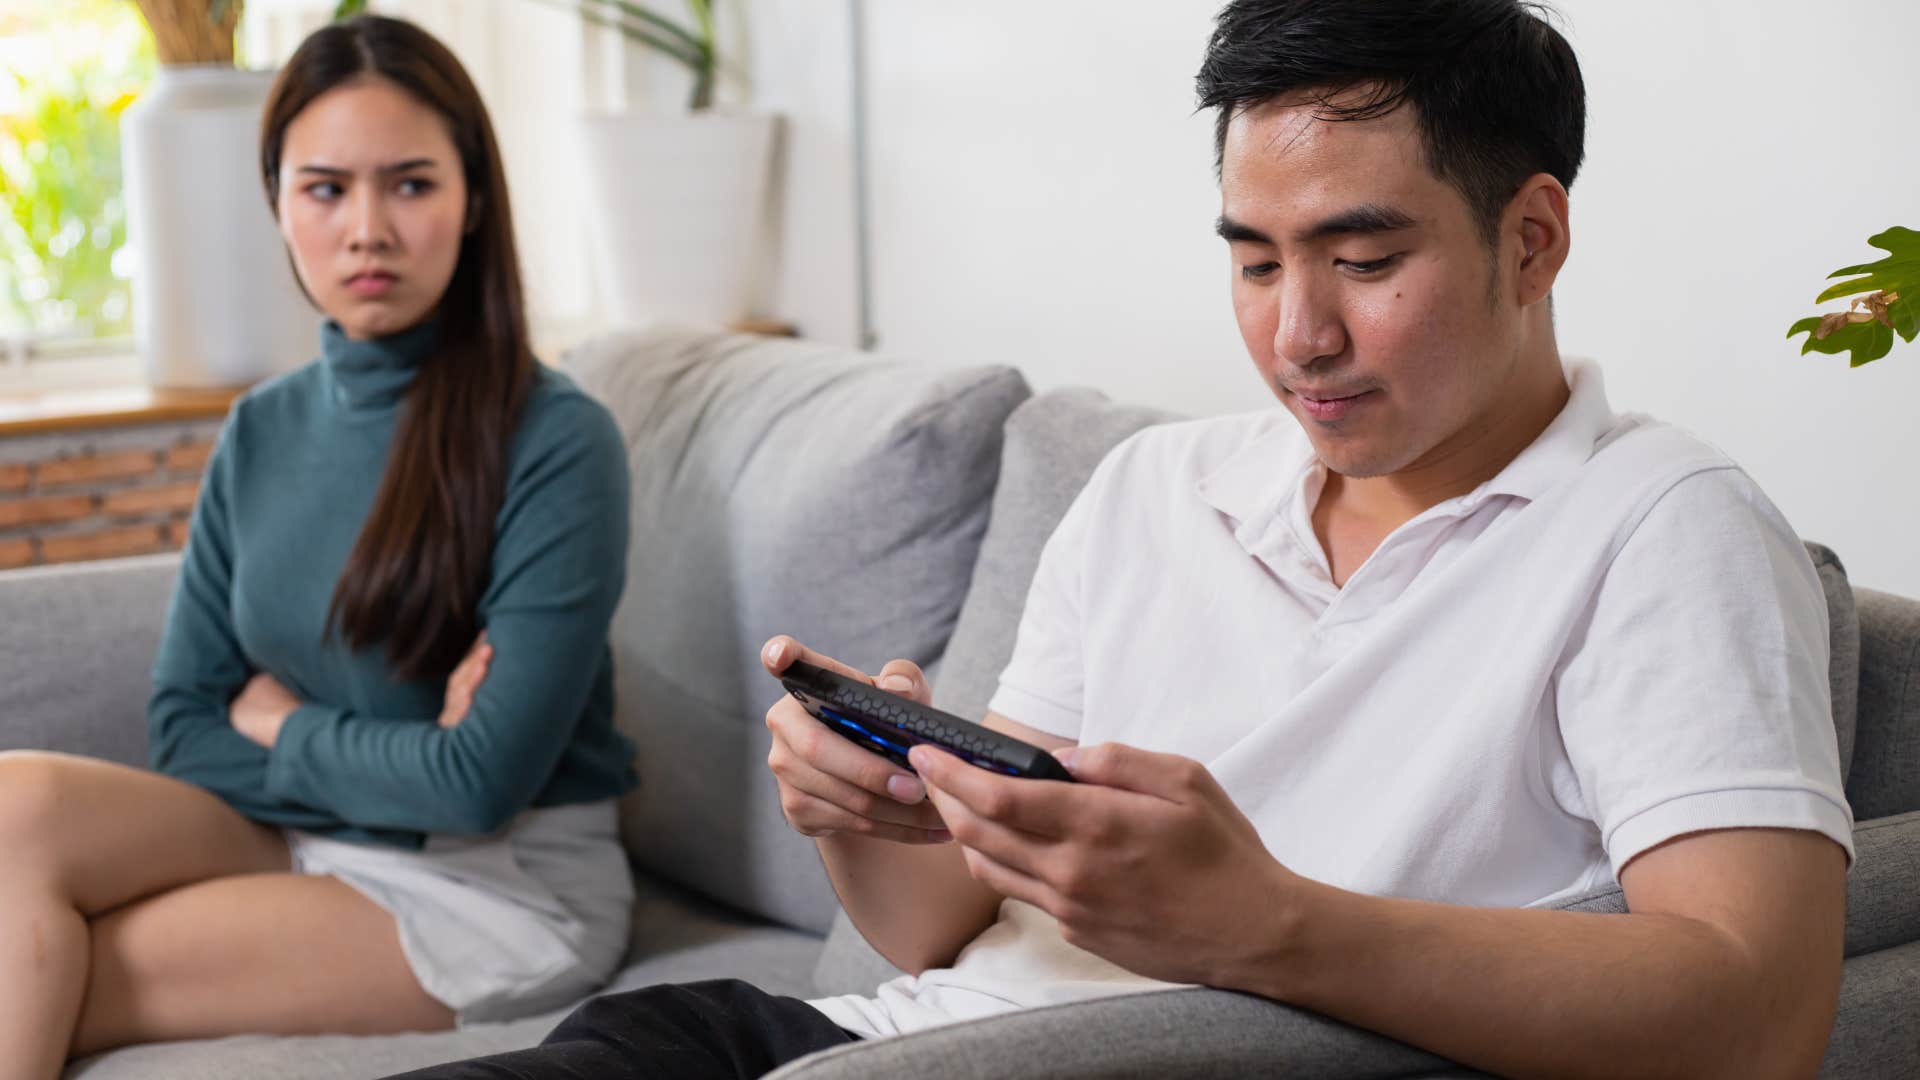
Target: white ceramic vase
215, 302
680, 222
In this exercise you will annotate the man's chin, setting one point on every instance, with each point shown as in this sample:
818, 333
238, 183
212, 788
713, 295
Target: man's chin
1352, 461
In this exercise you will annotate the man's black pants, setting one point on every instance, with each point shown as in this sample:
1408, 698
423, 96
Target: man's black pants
724, 1028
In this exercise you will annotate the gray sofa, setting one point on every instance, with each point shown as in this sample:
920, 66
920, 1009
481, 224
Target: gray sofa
878, 509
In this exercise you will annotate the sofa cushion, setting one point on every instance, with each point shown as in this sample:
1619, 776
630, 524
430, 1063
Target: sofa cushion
1886, 755
779, 487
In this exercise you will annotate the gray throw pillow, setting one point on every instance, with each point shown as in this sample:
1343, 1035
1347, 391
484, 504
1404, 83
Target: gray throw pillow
778, 487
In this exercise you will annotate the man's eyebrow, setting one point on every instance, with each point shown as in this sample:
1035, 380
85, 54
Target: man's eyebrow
1363, 220
396, 167
1232, 231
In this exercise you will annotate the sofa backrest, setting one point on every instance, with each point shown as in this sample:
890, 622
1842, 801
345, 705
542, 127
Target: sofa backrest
778, 487
76, 655
1886, 754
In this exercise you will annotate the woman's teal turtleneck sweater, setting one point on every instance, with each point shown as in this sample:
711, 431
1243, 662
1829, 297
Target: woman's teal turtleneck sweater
285, 495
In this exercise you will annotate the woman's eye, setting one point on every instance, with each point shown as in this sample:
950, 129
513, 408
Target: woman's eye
414, 185
1258, 270
324, 190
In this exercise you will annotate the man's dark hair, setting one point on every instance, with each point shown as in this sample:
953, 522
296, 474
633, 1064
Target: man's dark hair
1496, 90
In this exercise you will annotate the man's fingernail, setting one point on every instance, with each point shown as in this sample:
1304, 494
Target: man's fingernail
899, 684
771, 654
904, 788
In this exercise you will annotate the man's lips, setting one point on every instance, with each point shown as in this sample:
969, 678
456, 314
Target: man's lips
1330, 405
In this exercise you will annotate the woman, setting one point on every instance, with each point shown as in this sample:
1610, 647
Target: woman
382, 716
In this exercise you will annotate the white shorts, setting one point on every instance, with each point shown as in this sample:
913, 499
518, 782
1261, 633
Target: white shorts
526, 920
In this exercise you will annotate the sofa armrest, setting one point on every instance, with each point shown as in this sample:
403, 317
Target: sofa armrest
76, 655
1883, 888
1194, 1032
1217, 1033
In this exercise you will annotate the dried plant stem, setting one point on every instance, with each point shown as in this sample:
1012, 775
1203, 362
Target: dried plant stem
184, 31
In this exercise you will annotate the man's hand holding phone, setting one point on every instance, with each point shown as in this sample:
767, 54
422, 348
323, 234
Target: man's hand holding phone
830, 785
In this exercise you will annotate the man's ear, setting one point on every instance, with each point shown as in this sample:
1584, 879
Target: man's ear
1537, 237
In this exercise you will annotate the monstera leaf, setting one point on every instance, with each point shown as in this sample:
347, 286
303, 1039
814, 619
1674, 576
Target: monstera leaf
1891, 303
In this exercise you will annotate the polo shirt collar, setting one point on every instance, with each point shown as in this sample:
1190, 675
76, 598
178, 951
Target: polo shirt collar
1564, 446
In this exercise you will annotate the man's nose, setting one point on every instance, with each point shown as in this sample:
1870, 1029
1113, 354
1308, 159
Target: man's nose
1309, 328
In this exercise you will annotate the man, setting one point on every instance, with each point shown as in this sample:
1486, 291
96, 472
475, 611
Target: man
1356, 688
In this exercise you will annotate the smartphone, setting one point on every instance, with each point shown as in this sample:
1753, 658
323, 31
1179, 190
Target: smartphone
890, 725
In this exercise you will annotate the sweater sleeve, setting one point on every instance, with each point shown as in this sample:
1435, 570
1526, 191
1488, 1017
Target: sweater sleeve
558, 568
200, 667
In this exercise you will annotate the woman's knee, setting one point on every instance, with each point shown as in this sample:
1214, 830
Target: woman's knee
34, 787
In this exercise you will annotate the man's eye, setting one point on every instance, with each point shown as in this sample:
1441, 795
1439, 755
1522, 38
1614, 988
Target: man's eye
1371, 266
1258, 270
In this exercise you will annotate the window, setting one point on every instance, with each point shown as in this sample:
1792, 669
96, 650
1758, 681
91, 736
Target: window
68, 68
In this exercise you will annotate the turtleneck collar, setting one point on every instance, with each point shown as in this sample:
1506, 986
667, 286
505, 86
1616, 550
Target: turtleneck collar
374, 374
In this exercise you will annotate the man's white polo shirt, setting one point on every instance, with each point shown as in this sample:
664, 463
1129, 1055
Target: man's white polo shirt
1614, 642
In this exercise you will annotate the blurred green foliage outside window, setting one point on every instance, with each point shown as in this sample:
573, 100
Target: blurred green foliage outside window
68, 68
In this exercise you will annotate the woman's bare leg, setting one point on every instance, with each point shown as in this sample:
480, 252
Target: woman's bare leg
285, 954
78, 838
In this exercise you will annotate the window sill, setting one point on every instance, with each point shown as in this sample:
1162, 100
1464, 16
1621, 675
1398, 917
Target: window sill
98, 392
111, 390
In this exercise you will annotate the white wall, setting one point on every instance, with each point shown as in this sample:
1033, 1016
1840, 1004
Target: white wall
1042, 196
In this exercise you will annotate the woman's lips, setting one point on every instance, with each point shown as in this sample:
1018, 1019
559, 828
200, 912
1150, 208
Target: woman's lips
1333, 408
372, 283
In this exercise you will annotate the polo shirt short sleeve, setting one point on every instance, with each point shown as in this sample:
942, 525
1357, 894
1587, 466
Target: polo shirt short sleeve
1694, 692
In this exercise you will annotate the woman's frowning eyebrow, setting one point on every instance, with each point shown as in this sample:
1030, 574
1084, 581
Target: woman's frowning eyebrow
384, 170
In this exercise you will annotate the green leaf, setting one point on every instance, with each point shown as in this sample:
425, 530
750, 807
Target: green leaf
347, 9
1899, 272
1867, 341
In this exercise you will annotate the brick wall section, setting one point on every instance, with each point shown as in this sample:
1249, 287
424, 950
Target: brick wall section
99, 494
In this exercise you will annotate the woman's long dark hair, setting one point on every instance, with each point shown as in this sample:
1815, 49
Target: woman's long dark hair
420, 566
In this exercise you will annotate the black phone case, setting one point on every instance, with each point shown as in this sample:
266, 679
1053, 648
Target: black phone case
890, 725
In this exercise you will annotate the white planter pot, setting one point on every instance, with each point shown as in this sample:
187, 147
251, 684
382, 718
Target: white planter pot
680, 228
214, 301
